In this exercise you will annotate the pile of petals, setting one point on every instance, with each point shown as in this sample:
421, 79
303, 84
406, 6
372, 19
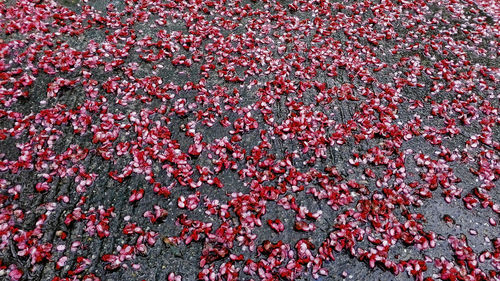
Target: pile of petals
269, 138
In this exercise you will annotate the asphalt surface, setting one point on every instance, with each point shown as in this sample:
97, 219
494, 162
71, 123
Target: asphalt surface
165, 255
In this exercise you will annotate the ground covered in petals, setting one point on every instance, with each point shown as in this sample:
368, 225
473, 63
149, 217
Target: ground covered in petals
249, 140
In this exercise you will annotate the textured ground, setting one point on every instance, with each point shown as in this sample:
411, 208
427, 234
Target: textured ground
239, 140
